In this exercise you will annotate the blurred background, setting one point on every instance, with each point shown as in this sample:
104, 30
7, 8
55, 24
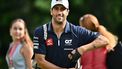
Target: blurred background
37, 12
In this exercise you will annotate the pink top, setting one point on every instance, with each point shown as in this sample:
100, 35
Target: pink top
95, 59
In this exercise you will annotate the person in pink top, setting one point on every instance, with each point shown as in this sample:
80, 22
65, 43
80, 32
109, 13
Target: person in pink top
96, 59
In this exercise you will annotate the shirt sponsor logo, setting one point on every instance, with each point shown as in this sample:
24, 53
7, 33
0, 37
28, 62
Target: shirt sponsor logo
68, 49
36, 47
49, 42
35, 37
68, 42
36, 44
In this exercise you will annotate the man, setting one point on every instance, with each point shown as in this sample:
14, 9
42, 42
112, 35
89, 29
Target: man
55, 40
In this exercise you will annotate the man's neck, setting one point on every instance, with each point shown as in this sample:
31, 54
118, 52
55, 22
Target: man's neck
58, 28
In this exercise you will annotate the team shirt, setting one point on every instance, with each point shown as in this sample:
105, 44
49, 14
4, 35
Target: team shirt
56, 49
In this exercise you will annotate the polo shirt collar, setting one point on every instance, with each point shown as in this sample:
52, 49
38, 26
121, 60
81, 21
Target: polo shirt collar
67, 27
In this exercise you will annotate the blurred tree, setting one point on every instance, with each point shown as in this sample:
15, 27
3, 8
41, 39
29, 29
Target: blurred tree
37, 12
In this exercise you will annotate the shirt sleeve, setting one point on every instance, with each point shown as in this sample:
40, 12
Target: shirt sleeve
39, 42
87, 36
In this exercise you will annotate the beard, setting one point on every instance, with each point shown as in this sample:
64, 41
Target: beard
59, 20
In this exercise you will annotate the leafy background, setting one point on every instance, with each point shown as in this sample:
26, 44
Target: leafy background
37, 12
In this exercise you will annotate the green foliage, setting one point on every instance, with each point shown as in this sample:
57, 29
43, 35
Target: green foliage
37, 12
42, 5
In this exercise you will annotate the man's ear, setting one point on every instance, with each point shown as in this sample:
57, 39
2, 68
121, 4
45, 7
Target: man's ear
68, 11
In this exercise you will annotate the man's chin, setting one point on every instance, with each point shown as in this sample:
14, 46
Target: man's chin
59, 21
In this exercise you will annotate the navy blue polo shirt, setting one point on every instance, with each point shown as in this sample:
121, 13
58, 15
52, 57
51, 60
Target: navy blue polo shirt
56, 49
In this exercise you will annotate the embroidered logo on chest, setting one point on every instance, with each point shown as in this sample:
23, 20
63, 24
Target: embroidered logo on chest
49, 42
68, 42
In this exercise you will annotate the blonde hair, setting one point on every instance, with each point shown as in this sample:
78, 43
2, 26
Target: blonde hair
91, 20
26, 39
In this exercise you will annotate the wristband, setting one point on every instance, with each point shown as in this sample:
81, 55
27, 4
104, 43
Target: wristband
74, 55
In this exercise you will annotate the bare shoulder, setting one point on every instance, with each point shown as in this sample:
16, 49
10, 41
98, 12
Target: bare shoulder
27, 50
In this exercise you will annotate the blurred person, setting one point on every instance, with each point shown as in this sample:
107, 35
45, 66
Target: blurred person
55, 40
20, 51
96, 59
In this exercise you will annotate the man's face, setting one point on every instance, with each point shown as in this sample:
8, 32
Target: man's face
59, 13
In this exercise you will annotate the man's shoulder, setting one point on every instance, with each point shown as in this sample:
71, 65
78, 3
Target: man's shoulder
40, 27
78, 29
75, 27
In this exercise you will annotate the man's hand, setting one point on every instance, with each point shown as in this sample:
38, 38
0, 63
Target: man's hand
74, 55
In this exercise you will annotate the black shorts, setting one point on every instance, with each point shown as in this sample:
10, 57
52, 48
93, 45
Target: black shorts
114, 58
